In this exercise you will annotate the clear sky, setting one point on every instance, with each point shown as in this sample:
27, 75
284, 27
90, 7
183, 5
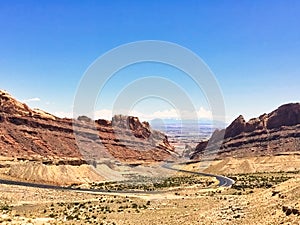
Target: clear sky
252, 47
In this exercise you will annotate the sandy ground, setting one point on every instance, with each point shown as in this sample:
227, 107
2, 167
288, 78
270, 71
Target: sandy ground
183, 206
284, 162
56, 174
222, 206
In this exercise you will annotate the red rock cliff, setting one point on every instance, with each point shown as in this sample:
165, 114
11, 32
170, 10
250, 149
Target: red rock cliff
278, 131
33, 134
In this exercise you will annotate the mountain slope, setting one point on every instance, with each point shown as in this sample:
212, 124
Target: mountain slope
33, 134
273, 133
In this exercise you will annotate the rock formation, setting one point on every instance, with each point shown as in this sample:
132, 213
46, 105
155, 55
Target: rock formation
273, 133
36, 135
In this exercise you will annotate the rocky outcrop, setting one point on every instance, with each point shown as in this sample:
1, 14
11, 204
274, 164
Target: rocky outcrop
273, 133
140, 130
236, 127
286, 115
11, 106
36, 135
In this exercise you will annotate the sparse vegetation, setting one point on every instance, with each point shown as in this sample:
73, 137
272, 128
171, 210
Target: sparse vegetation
258, 180
5, 207
183, 193
153, 184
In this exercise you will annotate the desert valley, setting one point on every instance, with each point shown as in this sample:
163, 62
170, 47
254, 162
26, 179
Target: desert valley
124, 172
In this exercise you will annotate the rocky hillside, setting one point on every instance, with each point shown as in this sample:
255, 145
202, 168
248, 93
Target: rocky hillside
273, 133
33, 134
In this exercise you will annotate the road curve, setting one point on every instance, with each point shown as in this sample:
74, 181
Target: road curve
223, 182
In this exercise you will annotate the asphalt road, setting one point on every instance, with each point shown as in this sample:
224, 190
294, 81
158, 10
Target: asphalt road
48, 186
223, 182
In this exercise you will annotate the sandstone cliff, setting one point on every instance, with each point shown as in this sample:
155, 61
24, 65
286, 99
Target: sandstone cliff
33, 134
273, 133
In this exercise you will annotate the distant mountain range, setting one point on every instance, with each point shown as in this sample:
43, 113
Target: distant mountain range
156, 122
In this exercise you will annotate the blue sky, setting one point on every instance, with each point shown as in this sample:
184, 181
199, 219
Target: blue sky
252, 47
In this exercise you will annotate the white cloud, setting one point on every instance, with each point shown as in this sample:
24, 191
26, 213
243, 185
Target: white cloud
31, 100
103, 114
202, 113
63, 114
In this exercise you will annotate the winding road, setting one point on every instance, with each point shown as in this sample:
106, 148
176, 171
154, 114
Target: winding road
223, 182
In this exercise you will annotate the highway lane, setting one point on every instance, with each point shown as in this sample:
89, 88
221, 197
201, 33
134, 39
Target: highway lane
55, 187
223, 182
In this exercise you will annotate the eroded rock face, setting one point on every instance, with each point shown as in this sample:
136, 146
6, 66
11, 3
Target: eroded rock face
33, 134
140, 130
84, 119
103, 122
276, 132
236, 127
12, 106
285, 115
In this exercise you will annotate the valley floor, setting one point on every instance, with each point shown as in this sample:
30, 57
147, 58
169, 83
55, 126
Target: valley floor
256, 198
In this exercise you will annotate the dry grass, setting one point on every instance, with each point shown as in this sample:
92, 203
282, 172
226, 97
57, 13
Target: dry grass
256, 198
